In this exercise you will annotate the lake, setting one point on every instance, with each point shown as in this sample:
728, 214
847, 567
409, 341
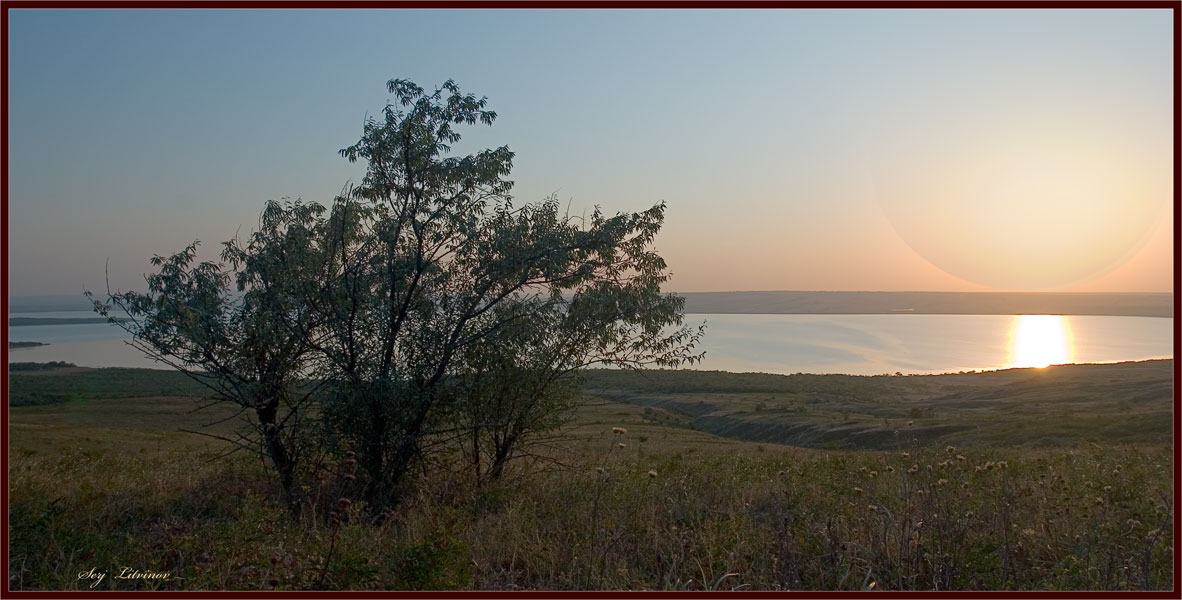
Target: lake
854, 344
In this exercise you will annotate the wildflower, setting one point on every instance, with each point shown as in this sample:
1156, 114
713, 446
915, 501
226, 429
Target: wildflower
1001, 464
344, 503
942, 482
968, 515
1107, 488
349, 477
978, 468
858, 490
910, 423
652, 473
1152, 534
950, 450
890, 469
351, 454
1030, 532
988, 465
619, 430
960, 457
906, 455
966, 486
873, 474
599, 470
622, 445
1134, 523
872, 507
913, 469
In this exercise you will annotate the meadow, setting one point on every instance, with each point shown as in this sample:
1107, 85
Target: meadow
1057, 478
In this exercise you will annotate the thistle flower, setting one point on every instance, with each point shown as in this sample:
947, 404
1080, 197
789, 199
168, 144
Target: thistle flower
873, 474
652, 473
599, 470
968, 515
950, 449
960, 457
619, 430
344, 503
910, 423
906, 455
858, 490
942, 482
1001, 464
913, 469
622, 445
890, 469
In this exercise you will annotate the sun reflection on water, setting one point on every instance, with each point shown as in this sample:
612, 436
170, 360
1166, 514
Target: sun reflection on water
1040, 341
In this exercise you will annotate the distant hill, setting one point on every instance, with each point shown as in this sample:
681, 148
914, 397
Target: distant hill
965, 303
797, 302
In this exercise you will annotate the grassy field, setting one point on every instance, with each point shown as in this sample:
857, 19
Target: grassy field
1027, 479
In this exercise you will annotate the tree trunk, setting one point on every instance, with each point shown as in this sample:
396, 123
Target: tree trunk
280, 457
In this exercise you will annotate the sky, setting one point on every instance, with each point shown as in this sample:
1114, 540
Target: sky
920, 150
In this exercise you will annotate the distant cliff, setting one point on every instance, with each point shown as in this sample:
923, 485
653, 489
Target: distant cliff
963, 303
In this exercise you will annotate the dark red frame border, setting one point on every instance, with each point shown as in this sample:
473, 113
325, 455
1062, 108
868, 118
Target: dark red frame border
1174, 6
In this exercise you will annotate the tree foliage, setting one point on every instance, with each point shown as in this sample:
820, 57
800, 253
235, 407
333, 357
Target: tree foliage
431, 311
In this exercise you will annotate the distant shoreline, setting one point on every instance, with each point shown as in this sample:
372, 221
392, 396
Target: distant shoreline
1115, 304
32, 321
18, 345
931, 303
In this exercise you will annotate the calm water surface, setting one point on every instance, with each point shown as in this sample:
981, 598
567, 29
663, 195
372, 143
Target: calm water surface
854, 344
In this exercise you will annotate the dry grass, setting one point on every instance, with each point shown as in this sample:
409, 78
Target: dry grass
673, 508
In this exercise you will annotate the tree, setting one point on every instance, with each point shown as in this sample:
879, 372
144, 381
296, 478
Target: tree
238, 345
439, 263
422, 304
519, 384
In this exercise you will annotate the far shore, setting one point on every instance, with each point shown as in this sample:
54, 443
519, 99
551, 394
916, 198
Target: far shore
950, 303
1116, 304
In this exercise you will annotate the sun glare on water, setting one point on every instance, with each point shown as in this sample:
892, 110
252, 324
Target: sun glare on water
1039, 341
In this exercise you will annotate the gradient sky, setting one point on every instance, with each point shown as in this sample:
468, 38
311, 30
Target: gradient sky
958, 150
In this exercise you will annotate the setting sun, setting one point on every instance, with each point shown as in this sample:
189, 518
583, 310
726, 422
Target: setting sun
1039, 341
